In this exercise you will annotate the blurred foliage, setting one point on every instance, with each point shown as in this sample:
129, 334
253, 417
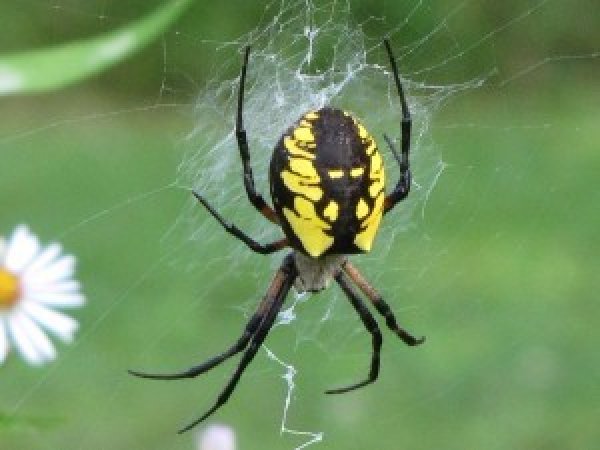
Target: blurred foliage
546, 33
62, 64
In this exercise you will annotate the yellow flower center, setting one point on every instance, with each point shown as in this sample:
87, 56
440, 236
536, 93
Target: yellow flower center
9, 289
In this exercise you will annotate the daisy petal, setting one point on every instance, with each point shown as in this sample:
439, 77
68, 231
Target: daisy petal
37, 337
23, 343
57, 323
54, 287
2, 248
60, 269
46, 256
62, 300
22, 248
3, 343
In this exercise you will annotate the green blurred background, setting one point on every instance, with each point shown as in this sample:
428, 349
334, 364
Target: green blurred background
499, 272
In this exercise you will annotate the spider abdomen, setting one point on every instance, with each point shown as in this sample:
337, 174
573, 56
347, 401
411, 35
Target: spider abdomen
328, 184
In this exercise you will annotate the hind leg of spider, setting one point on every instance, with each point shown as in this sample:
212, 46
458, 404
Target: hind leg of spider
192, 372
370, 324
250, 329
255, 198
275, 296
381, 306
235, 231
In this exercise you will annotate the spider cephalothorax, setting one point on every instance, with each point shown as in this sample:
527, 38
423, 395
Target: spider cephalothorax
327, 183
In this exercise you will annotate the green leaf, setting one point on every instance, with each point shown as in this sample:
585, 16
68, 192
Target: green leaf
55, 67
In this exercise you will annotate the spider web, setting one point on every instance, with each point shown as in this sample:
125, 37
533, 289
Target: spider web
305, 54
304, 57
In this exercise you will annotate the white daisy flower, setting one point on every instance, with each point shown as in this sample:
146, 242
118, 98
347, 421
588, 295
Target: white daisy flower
216, 437
33, 282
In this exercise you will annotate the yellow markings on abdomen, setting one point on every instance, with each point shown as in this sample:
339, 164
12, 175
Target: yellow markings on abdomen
362, 131
376, 174
376, 165
294, 148
371, 147
364, 239
339, 173
308, 227
335, 173
376, 187
305, 168
357, 172
362, 209
304, 133
371, 219
331, 211
302, 141
300, 185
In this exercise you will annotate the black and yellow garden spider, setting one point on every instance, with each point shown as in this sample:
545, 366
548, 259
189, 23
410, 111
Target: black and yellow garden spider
327, 183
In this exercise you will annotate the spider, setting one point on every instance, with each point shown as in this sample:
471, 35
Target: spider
327, 185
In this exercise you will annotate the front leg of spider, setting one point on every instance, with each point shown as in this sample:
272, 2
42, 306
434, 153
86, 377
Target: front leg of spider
242, 140
402, 188
238, 233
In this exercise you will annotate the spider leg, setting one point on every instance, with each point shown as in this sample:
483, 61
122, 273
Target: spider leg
381, 306
249, 330
273, 301
370, 324
255, 198
192, 372
235, 231
402, 188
